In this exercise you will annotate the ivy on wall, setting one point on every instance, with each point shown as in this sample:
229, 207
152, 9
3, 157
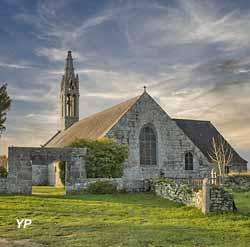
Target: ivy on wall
62, 171
3, 172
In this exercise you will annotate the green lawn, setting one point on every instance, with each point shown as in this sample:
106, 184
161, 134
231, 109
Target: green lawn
139, 219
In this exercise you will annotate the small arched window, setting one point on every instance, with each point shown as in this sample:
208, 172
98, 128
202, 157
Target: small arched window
147, 146
189, 161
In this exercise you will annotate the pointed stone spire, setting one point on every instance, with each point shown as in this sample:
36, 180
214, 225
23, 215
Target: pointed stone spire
69, 95
69, 69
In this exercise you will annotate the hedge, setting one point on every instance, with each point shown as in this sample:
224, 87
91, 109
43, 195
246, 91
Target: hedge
101, 187
105, 157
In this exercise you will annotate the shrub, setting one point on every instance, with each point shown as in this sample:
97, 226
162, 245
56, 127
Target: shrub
105, 157
3, 172
62, 171
101, 187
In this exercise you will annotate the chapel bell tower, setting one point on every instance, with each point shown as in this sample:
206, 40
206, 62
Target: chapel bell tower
69, 95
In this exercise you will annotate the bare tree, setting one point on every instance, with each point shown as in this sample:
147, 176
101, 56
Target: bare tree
221, 154
5, 102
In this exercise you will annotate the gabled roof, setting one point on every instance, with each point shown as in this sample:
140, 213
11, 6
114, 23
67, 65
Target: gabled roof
53, 137
97, 125
94, 126
201, 133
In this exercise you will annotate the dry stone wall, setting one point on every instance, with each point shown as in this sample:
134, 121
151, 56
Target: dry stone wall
238, 182
208, 199
173, 191
221, 200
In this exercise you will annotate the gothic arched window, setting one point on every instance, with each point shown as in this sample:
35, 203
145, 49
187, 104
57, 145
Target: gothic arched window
148, 145
189, 161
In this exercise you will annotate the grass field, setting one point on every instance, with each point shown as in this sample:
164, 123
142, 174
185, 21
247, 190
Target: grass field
139, 219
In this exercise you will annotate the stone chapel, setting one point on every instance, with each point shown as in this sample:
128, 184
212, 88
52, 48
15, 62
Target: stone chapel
158, 144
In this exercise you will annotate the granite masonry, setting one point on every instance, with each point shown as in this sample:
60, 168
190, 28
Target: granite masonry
178, 192
3, 185
22, 160
172, 143
221, 200
209, 198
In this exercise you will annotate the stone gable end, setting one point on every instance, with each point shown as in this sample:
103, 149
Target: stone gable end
172, 143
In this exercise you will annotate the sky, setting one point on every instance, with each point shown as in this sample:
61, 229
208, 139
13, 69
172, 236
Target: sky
193, 56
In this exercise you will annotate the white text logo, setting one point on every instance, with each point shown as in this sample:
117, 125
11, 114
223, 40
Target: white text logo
24, 222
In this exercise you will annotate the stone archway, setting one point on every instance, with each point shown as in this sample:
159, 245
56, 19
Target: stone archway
21, 160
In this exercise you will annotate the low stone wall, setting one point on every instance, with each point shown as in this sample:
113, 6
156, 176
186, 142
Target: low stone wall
120, 183
237, 182
208, 199
221, 200
86, 182
3, 185
136, 185
175, 192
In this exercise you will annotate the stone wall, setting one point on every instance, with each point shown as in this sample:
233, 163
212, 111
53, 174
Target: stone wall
86, 182
238, 168
221, 200
208, 199
238, 182
51, 174
3, 185
119, 183
40, 175
173, 191
172, 143
22, 160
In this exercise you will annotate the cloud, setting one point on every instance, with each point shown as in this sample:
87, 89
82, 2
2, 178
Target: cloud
59, 55
48, 26
14, 66
192, 56
189, 22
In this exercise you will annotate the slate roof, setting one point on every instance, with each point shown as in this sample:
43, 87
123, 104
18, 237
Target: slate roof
94, 126
201, 134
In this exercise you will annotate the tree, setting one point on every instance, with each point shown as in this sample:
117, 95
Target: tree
221, 154
5, 103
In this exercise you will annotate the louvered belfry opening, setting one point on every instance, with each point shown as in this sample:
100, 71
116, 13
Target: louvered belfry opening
148, 146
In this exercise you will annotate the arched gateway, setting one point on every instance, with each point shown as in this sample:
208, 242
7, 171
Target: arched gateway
21, 160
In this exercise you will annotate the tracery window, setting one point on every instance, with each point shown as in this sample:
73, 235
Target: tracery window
148, 146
